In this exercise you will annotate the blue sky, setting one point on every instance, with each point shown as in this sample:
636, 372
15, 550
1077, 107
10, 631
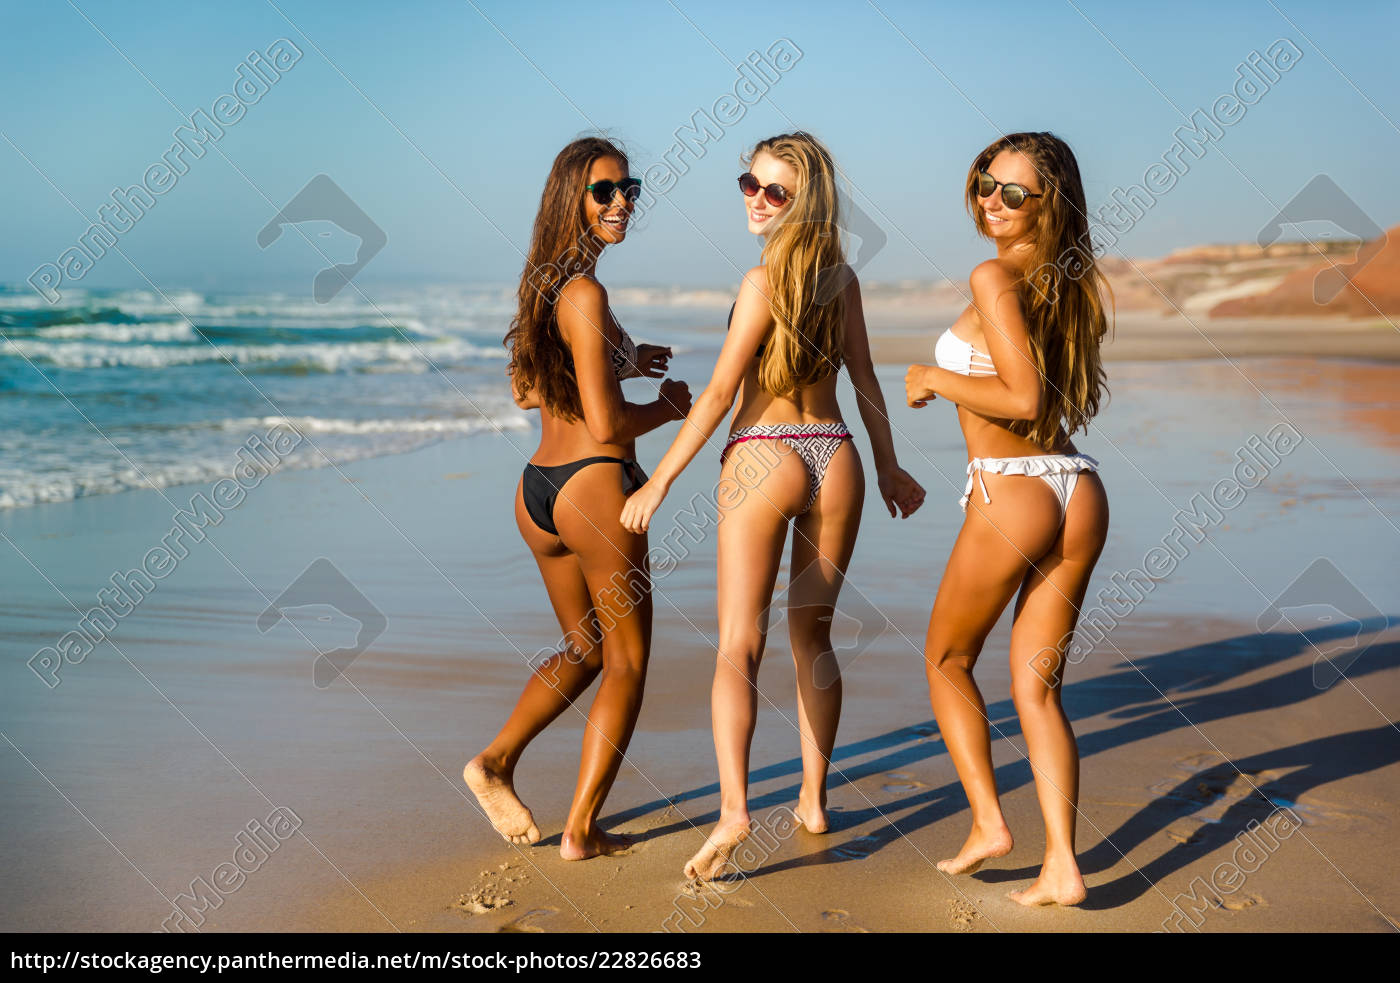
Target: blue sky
440, 121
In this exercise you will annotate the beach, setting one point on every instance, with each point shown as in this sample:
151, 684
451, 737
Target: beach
197, 760
1142, 336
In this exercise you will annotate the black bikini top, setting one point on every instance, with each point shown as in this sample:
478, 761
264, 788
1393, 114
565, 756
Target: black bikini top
761, 345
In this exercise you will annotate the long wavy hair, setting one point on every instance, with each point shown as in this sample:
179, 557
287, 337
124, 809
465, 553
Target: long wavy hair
1063, 291
560, 246
806, 266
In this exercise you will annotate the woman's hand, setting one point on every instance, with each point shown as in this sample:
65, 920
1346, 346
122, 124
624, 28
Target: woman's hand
642, 505
916, 388
898, 487
676, 395
652, 361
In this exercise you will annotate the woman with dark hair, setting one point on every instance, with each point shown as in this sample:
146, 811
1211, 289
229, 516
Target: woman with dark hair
789, 460
1022, 366
568, 356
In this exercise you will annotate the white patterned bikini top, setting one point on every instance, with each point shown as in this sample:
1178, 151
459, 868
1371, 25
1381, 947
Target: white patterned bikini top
624, 356
956, 355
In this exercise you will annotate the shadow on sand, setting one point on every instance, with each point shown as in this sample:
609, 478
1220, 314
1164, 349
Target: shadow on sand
1152, 696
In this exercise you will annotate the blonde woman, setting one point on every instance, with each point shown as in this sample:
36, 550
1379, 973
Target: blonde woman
1022, 366
789, 459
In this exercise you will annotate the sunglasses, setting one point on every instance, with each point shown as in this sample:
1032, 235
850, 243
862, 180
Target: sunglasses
777, 195
603, 191
1012, 194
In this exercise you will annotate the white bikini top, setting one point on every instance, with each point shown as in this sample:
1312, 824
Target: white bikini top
956, 355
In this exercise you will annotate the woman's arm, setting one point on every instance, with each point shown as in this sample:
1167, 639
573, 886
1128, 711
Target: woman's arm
750, 324
582, 312
529, 401
896, 486
1016, 391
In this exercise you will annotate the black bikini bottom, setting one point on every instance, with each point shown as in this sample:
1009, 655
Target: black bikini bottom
542, 485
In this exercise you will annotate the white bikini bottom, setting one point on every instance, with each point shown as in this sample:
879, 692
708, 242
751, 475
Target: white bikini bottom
1059, 471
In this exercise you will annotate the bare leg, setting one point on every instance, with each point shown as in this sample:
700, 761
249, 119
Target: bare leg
1045, 618
614, 565
822, 543
997, 544
551, 689
751, 535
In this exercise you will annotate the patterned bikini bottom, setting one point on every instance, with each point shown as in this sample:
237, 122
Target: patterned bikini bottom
815, 443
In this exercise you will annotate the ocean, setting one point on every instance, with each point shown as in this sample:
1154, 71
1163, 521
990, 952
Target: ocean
122, 389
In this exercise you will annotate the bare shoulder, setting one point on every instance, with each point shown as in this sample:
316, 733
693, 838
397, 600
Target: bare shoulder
993, 275
582, 311
583, 290
755, 279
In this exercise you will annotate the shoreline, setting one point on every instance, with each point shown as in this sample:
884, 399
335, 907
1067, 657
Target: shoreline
1155, 338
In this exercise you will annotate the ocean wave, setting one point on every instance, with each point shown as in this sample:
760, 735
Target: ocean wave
322, 425
670, 297
106, 331
26, 320
343, 441
323, 357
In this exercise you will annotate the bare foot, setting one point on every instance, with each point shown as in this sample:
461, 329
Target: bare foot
594, 844
497, 796
710, 861
1058, 883
981, 845
812, 812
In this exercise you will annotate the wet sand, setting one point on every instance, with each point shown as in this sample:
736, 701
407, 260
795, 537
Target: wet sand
191, 725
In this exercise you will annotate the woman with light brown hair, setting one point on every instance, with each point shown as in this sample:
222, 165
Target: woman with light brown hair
789, 460
568, 358
1022, 366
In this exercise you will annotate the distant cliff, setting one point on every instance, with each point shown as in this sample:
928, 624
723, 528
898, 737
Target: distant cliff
1362, 282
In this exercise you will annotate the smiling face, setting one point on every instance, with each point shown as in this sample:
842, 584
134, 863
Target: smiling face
607, 222
1010, 167
762, 213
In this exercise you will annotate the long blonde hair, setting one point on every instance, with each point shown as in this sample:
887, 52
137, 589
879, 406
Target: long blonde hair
805, 265
1062, 293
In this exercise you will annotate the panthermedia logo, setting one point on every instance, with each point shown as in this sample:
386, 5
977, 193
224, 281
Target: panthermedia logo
1322, 201
1322, 600
322, 583
322, 200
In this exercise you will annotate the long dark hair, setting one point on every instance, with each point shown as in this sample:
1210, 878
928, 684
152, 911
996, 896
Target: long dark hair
560, 245
1062, 293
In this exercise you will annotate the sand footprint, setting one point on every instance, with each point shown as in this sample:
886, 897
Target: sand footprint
479, 903
713, 896
1185, 834
858, 848
1231, 902
526, 922
839, 920
491, 892
962, 914
902, 783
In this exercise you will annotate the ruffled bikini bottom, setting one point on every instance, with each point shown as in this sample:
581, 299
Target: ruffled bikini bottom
1059, 471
